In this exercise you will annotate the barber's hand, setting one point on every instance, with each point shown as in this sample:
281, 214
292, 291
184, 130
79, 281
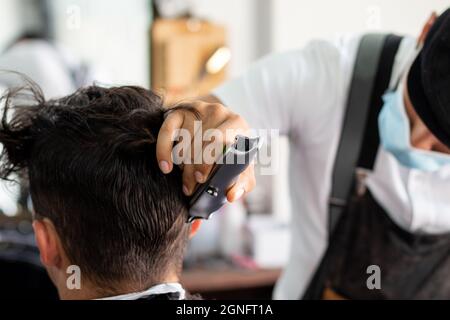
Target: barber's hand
213, 116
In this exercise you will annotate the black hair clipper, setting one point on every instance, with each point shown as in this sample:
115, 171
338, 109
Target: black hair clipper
211, 195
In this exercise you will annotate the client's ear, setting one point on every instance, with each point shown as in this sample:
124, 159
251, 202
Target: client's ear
195, 225
48, 242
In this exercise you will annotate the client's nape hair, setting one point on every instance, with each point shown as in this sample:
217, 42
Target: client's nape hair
91, 163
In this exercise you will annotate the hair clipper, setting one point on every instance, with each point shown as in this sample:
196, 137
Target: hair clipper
211, 195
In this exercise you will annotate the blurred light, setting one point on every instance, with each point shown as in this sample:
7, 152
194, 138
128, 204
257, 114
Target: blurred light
220, 58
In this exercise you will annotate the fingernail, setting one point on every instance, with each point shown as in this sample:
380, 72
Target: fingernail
185, 190
239, 194
164, 166
198, 176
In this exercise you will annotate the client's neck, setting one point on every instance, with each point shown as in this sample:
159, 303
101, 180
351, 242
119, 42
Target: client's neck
89, 291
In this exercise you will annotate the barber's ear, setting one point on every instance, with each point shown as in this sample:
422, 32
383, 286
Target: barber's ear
195, 226
48, 242
426, 28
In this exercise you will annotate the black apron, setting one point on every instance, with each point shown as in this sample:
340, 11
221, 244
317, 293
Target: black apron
413, 266
362, 235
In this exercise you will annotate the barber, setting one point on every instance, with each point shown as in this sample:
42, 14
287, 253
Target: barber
401, 223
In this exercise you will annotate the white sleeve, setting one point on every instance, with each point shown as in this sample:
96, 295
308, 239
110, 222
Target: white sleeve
287, 91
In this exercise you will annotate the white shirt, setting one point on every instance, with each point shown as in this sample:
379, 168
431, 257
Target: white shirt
303, 93
155, 290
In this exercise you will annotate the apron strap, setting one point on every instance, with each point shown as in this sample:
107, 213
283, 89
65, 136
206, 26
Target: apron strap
359, 139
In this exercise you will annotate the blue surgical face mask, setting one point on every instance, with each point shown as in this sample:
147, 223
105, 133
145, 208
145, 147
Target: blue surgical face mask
395, 136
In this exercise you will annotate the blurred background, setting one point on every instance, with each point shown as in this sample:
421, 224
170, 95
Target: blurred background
182, 49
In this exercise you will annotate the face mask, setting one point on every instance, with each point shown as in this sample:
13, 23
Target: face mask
395, 136
416, 200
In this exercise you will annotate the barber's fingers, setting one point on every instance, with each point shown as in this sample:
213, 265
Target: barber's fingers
164, 144
214, 116
224, 135
205, 158
243, 185
197, 156
189, 184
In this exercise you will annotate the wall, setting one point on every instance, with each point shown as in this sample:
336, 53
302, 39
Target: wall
111, 34
256, 27
295, 22
239, 17
93, 28
10, 25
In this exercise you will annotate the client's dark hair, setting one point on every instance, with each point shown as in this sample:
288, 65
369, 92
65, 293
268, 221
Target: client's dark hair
92, 169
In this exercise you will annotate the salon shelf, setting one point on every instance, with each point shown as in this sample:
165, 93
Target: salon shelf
227, 283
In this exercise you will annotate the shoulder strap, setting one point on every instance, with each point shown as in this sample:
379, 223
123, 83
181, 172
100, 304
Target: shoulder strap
371, 138
359, 139
365, 135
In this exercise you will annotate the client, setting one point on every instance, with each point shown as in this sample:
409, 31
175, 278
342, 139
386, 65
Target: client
101, 205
